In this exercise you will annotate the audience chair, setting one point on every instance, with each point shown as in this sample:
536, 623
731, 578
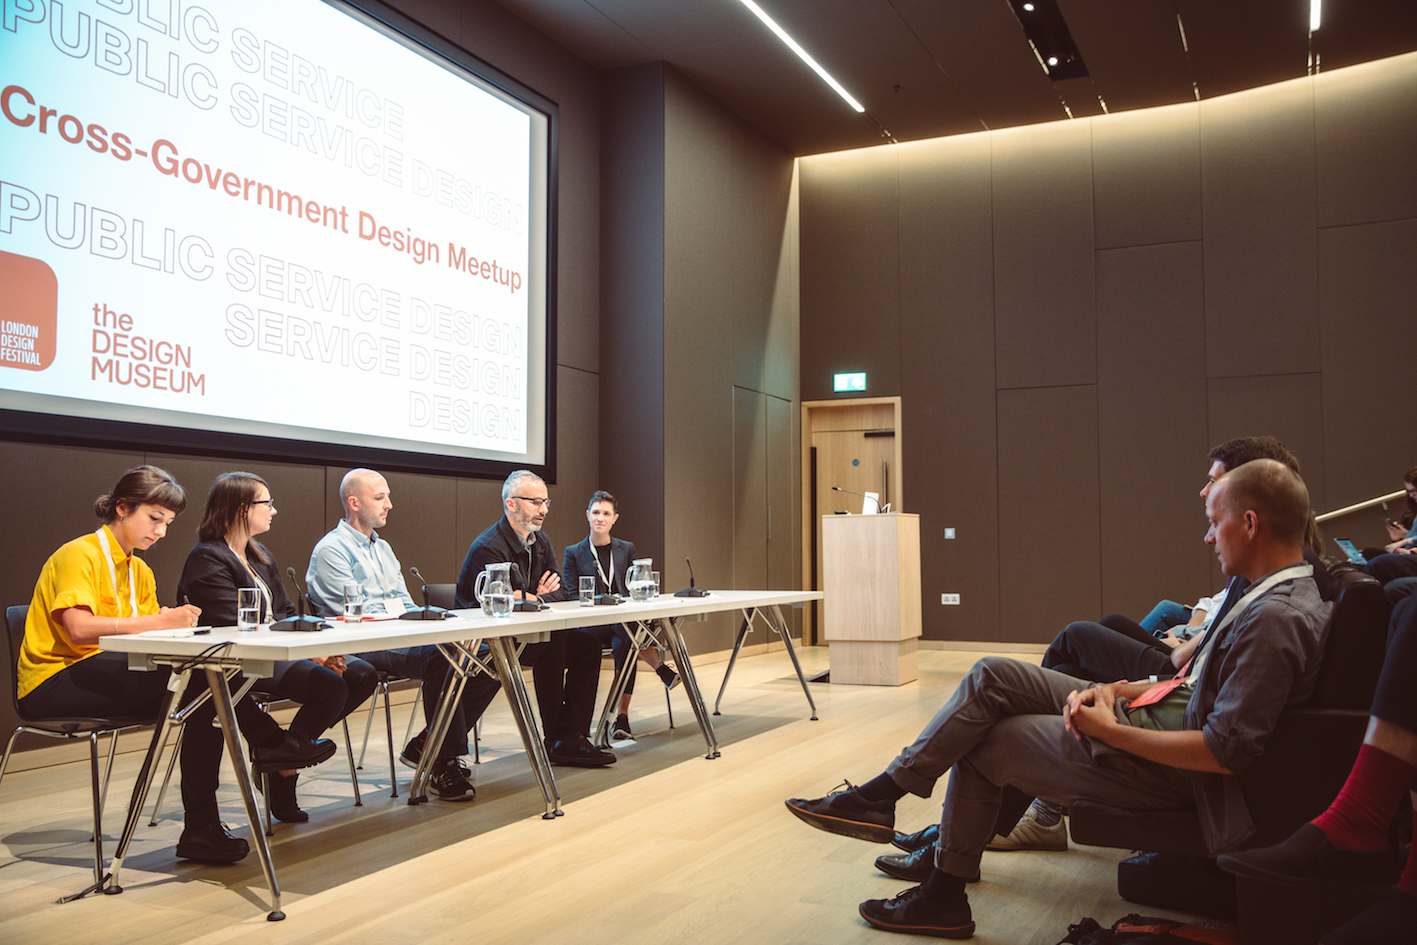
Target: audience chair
67, 728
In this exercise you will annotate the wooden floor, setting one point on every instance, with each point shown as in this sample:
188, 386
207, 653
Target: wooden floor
663, 847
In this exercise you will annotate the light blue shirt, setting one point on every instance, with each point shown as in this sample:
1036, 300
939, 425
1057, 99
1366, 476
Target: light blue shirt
346, 556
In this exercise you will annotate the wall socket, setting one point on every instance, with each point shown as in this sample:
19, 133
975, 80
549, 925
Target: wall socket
949, 598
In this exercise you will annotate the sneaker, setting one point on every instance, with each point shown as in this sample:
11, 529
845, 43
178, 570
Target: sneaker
848, 814
211, 843
451, 781
1029, 834
1308, 857
578, 752
620, 731
667, 676
914, 912
413, 751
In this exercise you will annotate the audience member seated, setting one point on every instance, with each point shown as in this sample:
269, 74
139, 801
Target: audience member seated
1349, 841
608, 559
96, 586
1135, 745
566, 669
353, 553
1399, 557
227, 558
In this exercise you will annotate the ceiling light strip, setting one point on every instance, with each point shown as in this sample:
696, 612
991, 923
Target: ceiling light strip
802, 54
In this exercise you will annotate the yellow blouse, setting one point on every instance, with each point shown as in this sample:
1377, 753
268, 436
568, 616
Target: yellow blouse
76, 576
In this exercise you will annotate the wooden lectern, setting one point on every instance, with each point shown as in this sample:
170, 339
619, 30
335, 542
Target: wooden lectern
871, 579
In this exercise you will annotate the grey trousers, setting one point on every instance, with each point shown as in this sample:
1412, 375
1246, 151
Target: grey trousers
1004, 726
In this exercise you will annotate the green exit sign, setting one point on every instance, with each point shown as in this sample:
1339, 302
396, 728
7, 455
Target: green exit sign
849, 382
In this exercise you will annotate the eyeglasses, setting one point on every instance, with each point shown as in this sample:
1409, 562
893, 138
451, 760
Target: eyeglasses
270, 502
535, 503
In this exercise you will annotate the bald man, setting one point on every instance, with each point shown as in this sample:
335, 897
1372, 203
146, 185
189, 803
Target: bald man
353, 553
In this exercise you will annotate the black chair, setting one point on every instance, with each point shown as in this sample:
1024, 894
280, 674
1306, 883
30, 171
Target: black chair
71, 728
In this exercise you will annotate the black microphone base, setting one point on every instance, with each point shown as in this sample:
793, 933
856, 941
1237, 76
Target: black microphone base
692, 592
302, 623
425, 613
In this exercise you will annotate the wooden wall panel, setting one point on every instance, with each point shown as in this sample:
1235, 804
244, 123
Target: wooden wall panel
1048, 508
1365, 130
850, 275
947, 380
1257, 184
1151, 365
1045, 330
1366, 291
1146, 174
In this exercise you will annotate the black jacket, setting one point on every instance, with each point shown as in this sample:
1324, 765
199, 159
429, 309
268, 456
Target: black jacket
502, 543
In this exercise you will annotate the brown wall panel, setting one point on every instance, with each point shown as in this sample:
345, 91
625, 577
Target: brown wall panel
750, 504
1048, 501
850, 274
1045, 331
1367, 286
1257, 182
1146, 176
1151, 365
1365, 125
947, 380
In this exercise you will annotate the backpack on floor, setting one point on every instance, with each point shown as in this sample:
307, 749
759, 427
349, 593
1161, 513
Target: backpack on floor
1146, 930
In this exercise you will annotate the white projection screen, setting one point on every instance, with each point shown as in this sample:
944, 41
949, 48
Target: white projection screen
294, 229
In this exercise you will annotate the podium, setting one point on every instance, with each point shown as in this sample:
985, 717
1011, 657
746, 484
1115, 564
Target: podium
871, 579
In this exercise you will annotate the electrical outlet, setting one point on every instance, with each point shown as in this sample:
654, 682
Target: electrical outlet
949, 598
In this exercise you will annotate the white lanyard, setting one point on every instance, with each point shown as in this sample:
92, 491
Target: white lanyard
595, 556
1251, 594
102, 534
265, 591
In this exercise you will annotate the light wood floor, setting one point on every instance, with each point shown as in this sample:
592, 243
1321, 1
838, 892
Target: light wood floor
663, 847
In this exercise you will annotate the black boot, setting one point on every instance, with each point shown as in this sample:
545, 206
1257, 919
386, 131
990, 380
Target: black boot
284, 807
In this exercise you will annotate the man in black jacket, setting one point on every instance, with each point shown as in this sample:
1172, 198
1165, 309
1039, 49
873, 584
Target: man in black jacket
565, 670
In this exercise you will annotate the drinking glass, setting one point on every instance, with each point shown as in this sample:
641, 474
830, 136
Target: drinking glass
587, 590
248, 608
353, 602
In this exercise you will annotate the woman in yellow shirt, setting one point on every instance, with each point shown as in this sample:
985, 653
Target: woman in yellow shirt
95, 586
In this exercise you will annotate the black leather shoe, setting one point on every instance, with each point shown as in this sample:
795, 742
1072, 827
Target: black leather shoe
912, 867
578, 752
914, 912
1392, 920
295, 750
910, 842
284, 807
848, 814
1307, 857
211, 843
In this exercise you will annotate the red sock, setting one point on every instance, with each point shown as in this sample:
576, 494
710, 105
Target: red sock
1358, 818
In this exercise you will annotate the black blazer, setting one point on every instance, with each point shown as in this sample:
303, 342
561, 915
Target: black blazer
213, 573
580, 559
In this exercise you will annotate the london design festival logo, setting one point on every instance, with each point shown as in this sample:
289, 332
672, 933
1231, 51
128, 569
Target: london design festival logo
29, 312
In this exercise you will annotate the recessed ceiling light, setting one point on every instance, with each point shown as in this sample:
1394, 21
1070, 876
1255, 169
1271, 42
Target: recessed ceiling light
1028, 7
802, 54
1052, 60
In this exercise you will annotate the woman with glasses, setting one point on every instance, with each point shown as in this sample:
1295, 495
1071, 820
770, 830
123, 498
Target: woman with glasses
228, 558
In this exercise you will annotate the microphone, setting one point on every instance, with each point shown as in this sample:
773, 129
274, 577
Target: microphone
300, 622
691, 590
861, 494
427, 612
525, 606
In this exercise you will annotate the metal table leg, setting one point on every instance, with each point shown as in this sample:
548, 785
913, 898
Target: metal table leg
176, 685
458, 660
221, 697
670, 628
785, 631
743, 632
504, 658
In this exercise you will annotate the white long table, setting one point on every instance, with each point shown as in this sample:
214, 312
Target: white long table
228, 650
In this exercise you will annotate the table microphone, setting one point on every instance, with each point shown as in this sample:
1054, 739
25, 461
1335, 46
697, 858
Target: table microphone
300, 622
861, 494
428, 612
691, 590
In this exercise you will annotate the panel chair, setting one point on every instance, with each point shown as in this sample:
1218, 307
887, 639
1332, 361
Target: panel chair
644, 638
71, 728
